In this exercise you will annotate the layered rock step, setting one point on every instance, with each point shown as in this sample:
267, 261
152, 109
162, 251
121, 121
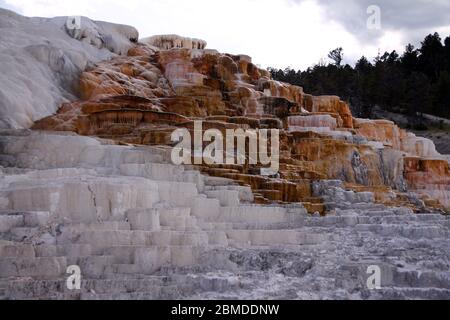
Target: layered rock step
349, 193
141, 228
142, 98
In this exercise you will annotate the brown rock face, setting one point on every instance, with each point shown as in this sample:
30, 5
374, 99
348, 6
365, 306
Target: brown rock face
382, 131
144, 97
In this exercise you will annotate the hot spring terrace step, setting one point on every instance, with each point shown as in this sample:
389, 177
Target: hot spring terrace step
129, 255
98, 226
315, 207
245, 193
405, 231
223, 227
422, 220
153, 171
93, 266
9, 222
274, 237
256, 214
403, 293
68, 250
17, 251
148, 260
178, 219
228, 198
21, 234
220, 172
422, 279
9, 218
43, 268
178, 193
339, 221
218, 181
57, 289
156, 293
271, 195
335, 221
102, 240
260, 199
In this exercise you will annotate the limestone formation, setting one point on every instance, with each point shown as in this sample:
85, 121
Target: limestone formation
141, 228
143, 98
170, 41
94, 186
42, 59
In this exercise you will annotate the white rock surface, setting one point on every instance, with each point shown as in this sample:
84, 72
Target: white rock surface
170, 41
141, 228
41, 59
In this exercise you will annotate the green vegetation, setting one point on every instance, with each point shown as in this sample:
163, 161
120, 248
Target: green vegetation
414, 83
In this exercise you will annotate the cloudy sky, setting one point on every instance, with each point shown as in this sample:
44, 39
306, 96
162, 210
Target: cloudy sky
279, 33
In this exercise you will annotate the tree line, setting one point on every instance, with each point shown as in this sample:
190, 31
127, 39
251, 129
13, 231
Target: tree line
412, 83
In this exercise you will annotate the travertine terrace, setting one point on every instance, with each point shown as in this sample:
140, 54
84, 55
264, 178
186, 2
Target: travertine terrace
143, 97
93, 185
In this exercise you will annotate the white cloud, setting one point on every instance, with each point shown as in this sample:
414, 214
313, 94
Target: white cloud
276, 33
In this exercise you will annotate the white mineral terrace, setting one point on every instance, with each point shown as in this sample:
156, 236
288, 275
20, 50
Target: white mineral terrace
140, 227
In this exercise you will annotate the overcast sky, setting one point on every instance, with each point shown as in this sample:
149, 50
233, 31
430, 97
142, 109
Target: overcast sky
278, 33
